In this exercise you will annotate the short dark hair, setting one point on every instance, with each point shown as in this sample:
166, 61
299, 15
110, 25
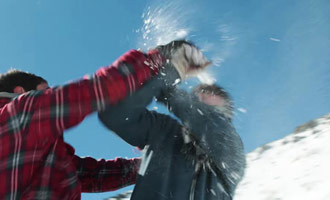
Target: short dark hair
218, 91
14, 78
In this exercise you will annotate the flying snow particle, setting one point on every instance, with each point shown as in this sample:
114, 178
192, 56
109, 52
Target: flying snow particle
217, 61
275, 39
163, 23
223, 165
242, 110
200, 112
206, 78
213, 192
220, 187
176, 82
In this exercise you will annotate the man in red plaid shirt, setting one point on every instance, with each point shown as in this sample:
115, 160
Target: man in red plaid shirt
35, 162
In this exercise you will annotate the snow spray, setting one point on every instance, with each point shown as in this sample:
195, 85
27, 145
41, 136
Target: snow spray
164, 22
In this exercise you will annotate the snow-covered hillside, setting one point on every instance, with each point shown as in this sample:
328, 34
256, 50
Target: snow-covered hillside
123, 196
293, 168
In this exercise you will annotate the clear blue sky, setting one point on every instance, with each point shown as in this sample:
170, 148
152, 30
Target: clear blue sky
272, 56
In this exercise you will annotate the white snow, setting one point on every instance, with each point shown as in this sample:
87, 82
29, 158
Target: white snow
123, 196
275, 39
206, 77
200, 112
242, 110
163, 23
177, 81
295, 167
181, 33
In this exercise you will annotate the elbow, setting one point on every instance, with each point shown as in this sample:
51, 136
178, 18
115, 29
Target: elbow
104, 118
110, 121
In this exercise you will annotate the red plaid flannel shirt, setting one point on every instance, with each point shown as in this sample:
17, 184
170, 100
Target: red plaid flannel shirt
36, 163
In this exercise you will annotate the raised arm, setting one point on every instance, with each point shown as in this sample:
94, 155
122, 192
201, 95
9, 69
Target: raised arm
63, 107
131, 120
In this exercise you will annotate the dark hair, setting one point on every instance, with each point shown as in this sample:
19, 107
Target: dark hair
218, 91
14, 77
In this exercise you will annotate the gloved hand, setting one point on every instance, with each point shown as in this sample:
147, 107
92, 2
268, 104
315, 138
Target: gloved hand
187, 59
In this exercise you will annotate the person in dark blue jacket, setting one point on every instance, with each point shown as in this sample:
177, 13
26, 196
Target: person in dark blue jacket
197, 155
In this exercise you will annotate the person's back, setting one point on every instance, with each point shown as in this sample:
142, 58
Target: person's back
172, 169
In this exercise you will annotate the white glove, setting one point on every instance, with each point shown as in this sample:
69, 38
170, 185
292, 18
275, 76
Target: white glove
187, 59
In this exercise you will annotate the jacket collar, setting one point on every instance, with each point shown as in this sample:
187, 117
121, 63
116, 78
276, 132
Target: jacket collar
6, 97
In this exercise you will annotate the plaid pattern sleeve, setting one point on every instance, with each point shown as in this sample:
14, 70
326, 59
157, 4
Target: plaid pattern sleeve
106, 175
68, 105
34, 162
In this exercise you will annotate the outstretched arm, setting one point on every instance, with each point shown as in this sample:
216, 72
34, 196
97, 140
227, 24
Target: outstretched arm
106, 175
57, 109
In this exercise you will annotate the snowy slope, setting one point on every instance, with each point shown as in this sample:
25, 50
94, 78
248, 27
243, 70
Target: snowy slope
123, 196
293, 168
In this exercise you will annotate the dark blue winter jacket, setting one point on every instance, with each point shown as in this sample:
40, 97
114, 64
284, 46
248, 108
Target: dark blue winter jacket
200, 156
